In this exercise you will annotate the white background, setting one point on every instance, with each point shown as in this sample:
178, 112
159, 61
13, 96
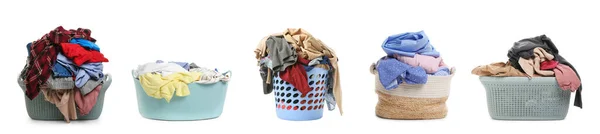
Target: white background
225, 33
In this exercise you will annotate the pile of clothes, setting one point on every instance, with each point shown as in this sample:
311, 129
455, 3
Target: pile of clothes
163, 79
410, 59
288, 53
66, 66
536, 57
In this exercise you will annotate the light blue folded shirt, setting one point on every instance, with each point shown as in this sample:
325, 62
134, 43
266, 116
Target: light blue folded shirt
84, 72
409, 44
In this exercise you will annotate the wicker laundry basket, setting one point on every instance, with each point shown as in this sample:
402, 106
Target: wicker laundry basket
204, 102
40, 109
413, 102
519, 98
293, 105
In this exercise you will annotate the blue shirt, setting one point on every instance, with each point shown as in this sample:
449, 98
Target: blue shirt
409, 44
85, 44
83, 73
392, 72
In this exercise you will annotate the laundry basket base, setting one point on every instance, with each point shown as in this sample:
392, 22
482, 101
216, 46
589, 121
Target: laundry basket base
530, 118
177, 119
299, 115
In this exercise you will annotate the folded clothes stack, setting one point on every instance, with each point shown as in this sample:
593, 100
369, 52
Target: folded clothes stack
292, 53
411, 59
66, 66
164, 79
536, 57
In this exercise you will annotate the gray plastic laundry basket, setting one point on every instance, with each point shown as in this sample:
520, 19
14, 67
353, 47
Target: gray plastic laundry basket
40, 109
519, 98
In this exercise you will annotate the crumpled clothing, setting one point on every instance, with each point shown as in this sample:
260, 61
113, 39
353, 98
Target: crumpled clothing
267, 76
312, 48
409, 44
159, 87
566, 78
429, 63
548, 65
42, 54
80, 56
524, 48
315, 61
61, 71
392, 73
323, 62
296, 76
85, 44
442, 71
185, 65
90, 85
85, 103
66, 83
532, 65
266, 61
281, 53
64, 101
165, 69
330, 100
209, 76
84, 72
308, 48
497, 69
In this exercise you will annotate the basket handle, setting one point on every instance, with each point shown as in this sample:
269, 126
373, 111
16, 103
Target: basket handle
108, 80
133, 73
228, 74
372, 68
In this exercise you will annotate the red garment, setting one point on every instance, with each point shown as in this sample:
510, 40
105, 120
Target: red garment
303, 61
80, 55
549, 64
42, 56
296, 75
567, 78
87, 102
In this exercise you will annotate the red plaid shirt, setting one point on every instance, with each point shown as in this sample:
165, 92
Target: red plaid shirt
42, 56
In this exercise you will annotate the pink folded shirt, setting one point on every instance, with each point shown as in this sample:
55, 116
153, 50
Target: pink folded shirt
429, 63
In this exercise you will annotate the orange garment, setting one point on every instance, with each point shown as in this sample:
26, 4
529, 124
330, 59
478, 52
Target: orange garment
497, 69
80, 55
64, 101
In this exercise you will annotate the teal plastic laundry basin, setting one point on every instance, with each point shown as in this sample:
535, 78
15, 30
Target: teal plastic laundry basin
204, 102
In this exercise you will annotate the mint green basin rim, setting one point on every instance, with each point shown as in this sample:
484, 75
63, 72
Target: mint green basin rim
519, 98
40, 109
204, 102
